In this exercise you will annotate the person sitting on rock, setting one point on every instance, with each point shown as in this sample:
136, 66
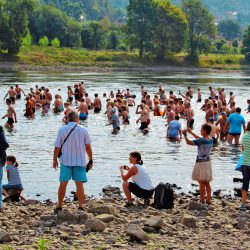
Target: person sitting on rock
141, 186
14, 186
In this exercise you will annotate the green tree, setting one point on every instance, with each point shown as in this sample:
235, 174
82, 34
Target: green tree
55, 42
43, 42
246, 41
219, 44
200, 24
140, 23
96, 35
27, 41
171, 26
235, 43
14, 23
113, 40
86, 37
229, 29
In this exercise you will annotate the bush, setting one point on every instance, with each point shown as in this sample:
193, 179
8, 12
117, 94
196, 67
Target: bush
122, 47
27, 41
103, 58
43, 42
247, 57
55, 43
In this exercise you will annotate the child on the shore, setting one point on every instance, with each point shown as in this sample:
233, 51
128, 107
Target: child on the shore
14, 180
202, 171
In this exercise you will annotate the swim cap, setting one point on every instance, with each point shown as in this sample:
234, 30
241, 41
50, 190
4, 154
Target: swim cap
223, 113
113, 110
211, 119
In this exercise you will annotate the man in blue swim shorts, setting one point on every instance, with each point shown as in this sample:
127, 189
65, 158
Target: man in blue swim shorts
71, 144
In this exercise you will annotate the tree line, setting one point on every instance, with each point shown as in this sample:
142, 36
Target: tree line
154, 27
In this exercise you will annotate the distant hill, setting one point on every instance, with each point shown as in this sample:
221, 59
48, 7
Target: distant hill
116, 9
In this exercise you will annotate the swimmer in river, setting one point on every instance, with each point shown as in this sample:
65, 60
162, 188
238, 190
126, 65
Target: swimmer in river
97, 105
83, 110
11, 115
58, 104
143, 111
12, 95
66, 112
19, 92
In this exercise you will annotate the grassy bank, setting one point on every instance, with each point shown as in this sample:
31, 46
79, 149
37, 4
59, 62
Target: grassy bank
53, 57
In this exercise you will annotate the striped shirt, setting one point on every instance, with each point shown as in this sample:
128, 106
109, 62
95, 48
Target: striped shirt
246, 145
14, 177
73, 150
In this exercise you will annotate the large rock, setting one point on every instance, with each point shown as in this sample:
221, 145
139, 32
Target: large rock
194, 205
95, 225
109, 189
155, 222
110, 240
189, 220
4, 236
96, 208
83, 217
105, 217
135, 232
65, 216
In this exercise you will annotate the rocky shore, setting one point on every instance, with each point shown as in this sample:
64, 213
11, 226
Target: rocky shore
9, 66
106, 224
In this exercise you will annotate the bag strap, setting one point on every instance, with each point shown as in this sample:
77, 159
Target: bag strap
68, 136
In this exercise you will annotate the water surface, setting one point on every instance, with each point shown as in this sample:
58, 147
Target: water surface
32, 142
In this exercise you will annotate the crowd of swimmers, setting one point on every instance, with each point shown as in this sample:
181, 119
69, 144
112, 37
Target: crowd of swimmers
223, 120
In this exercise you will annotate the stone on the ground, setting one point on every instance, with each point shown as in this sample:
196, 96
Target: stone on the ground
4, 236
194, 205
68, 217
136, 233
101, 209
105, 217
110, 240
109, 189
189, 220
154, 221
95, 225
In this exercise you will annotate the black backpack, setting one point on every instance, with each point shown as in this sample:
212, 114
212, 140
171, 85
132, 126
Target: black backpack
164, 196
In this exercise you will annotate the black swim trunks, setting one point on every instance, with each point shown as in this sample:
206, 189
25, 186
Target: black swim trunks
143, 126
10, 121
12, 98
18, 96
97, 110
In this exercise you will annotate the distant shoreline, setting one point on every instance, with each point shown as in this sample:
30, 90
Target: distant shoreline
9, 66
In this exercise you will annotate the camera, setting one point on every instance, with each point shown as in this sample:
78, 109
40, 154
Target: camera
126, 167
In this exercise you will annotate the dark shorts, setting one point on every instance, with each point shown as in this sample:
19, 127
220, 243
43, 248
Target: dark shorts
246, 177
190, 123
215, 141
8, 187
199, 100
143, 126
139, 192
18, 96
235, 134
77, 97
71, 98
12, 99
97, 110
10, 121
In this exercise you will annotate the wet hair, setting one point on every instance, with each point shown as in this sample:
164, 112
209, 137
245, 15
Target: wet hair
12, 159
8, 101
11, 87
248, 101
207, 128
231, 93
96, 95
177, 117
248, 126
137, 155
143, 101
86, 94
238, 110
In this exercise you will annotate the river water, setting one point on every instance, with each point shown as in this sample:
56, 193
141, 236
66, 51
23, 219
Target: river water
32, 141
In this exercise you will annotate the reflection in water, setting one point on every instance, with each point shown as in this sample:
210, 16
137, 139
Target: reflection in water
32, 141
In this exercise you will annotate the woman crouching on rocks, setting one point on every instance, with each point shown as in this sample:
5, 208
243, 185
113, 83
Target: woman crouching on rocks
141, 185
202, 171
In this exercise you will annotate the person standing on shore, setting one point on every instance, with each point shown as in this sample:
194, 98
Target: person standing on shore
245, 166
72, 141
202, 171
3, 147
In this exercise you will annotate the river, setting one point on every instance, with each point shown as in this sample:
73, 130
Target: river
32, 141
